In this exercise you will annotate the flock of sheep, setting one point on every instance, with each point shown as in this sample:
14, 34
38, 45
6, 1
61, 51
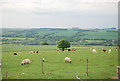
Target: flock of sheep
67, 59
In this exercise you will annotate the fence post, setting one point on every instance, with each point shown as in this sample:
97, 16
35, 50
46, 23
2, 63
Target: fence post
6, 75
118, 73
87, 67
42, 64
1, 66
1, 69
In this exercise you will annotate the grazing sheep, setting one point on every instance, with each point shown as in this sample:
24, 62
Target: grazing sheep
31, 52
67, 60
94, 51
109, 51
26, 61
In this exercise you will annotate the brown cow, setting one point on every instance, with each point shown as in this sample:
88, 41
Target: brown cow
104, 50
117, 48
37, 52
33, 51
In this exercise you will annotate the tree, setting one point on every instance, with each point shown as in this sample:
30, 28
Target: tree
63, 43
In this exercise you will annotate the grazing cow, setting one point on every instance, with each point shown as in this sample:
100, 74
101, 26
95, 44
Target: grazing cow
73, 49
117, 48
69, 49
15, 53
94, 51
33, 51
57, 49
37, 52
104, 50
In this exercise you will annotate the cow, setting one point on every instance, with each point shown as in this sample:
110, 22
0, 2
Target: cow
69, 49
15, 53
117, 48
33, 51
37, 52
104, 50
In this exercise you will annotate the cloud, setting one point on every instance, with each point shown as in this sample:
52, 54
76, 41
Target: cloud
47, 13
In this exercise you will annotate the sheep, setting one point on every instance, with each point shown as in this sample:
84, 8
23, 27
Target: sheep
94, 51
31, 52
26, 61
109, 51
67, 59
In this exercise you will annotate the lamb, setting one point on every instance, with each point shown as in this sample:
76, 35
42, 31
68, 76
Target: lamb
109, 51
94, 51
26, 61
67, 59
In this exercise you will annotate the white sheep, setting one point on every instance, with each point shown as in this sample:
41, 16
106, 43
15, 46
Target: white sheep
67, 60
94, 51
109, 51
26, 61
31, 52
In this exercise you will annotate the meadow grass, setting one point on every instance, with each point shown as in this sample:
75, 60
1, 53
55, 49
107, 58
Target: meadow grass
100, 65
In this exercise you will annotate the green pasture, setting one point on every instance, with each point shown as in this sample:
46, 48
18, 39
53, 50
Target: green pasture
101, 35
100, 65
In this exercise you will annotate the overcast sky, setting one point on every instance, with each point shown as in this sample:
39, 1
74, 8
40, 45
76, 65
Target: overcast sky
58, 13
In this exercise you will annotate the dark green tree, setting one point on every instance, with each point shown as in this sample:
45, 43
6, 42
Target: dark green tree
63, 43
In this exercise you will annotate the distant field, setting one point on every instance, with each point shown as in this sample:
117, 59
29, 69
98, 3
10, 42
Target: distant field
101, 35
101, 65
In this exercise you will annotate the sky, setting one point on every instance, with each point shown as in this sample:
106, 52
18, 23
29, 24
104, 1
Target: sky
58, 13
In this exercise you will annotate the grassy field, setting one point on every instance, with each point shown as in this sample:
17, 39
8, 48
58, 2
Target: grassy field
100, 66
